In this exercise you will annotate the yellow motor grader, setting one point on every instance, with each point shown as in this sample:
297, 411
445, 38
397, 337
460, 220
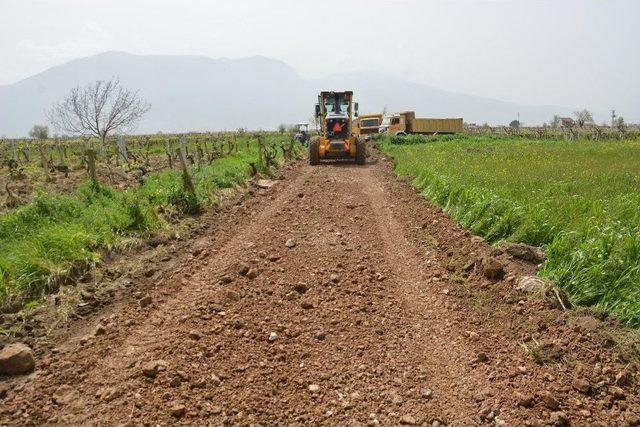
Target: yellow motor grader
334, 114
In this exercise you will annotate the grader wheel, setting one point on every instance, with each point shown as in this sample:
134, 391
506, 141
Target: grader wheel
314, 152
361, 153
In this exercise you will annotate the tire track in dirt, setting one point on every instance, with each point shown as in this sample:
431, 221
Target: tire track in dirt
320, 304
163, 322
448, 370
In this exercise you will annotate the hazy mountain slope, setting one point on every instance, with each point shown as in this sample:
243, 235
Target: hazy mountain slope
200, 93
186, 92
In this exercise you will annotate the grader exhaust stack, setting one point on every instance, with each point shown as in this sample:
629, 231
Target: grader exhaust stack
335, 112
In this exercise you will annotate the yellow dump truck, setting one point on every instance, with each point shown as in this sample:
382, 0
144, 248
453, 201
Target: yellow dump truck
367, 124
406, 123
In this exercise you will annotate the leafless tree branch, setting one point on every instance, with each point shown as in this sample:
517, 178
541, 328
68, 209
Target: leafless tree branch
98, 109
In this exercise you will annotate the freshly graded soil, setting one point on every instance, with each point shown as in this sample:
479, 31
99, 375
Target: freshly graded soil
337, 296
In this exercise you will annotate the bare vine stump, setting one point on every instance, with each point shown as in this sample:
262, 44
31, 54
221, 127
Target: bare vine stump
197, 154
25, 152
169, 150
186, 175
12, 201
45, 163
63, 155
14, 151
91, 166
207, 152
183, 148
147, 151
122, 155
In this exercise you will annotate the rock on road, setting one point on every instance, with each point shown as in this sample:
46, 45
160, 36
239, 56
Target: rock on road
336, 296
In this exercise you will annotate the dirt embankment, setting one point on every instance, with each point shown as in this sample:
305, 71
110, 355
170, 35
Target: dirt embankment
338, 296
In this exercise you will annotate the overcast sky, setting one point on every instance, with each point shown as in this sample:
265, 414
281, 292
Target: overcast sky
561, 52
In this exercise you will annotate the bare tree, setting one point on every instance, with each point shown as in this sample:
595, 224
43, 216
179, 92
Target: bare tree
99, 109
555, 122
583, 116
619, 122
39, 132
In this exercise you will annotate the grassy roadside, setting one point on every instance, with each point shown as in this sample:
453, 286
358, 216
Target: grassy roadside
43, 242
577, 199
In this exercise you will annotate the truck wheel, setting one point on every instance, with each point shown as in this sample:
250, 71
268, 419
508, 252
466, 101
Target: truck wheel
401, 134
361, 153
314, 152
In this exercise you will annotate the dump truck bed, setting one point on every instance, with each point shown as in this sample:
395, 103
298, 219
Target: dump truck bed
434, 126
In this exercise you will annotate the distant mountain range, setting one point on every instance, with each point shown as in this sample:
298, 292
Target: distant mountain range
197, 93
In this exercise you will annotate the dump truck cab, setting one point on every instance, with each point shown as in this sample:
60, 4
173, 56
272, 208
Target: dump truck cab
398, 123
335, 112
367, 124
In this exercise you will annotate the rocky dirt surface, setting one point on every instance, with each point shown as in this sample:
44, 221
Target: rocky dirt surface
336, 296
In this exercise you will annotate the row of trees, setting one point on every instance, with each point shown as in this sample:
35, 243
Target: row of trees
585, 117
581, 118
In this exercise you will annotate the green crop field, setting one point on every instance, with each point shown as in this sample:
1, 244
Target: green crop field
45, 240
580, 200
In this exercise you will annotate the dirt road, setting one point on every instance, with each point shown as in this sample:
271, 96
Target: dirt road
338, 296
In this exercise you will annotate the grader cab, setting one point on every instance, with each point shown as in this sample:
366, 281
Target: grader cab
335, 112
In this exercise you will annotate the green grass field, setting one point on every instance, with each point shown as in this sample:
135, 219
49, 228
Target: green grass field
44, 241
580, 200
